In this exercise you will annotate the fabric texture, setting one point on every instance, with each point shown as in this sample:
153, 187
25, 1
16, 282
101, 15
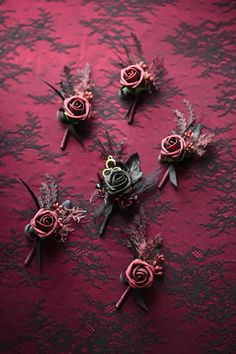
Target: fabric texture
70, 306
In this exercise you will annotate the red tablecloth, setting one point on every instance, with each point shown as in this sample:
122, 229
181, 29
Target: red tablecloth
69, 307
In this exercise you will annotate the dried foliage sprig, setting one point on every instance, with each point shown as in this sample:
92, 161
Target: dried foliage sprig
147, 264
136, 77
187, 141
76, 94
120, 186
52, 220
106, 145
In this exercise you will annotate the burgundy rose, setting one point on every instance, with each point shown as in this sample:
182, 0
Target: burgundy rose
172, 147
77, 108
45, 223
140, 274
132, 76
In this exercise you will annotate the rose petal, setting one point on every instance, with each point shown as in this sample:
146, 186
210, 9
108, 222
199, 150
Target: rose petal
140, 274
44, 223
77, 108
172, 146
132, 76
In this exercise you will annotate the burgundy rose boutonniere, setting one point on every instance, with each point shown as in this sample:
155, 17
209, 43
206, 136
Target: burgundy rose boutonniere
137, 78
120, 186
76, 94
51, 221
147, 264
187, 141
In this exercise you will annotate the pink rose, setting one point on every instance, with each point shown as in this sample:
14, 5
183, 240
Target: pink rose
140, 274
45, 223
172, 147
132, 76
77, 108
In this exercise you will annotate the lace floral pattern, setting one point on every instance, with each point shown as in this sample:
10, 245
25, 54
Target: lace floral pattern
70, 307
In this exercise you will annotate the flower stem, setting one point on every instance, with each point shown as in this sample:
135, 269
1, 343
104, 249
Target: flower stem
30, 255
132, 110
65, 139
106, 222
38, 254
122, 298
164, 179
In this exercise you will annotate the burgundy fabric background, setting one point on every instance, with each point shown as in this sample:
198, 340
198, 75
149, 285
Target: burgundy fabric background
69, 308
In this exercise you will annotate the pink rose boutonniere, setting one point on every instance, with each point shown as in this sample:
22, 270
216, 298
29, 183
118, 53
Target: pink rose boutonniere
137, 77
51, 221
147, 264
186, 142
76, 94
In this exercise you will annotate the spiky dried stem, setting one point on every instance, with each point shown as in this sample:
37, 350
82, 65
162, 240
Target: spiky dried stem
138, 45
191, 115
48, 193
180, 122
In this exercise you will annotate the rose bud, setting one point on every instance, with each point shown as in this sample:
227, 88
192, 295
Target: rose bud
140, 274
77, 108
132, 76
45, 223
172, 148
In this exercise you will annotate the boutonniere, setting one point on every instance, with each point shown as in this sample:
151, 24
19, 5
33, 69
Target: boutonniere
120, 186
186, 142
51, 221
137, 77
76, 94
147, 265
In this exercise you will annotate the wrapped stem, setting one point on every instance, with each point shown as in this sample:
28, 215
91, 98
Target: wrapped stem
30, 255
164, 179
65, 138
132, 109
122, 298
38, 254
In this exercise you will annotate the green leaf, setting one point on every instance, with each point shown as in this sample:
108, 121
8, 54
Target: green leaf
126, 91
134, 165
140, 89
31, 193
75, 135
197, 131
140, 299
106, 220
55, 90
172, 175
